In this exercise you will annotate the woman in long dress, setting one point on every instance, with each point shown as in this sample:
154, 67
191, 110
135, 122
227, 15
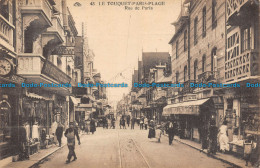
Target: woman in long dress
151, 133
222, 137
92, 126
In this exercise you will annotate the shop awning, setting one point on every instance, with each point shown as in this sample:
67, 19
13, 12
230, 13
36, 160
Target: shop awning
74, 100
188, 108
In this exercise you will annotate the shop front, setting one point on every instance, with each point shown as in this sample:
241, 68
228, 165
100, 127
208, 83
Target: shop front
242, 116
192, 117
10, 103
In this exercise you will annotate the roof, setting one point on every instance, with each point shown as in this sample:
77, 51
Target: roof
151, 59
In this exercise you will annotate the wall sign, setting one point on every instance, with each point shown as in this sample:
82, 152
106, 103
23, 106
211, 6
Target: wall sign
54, 72
64, 50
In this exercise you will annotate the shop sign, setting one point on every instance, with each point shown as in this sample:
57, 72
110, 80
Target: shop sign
54, 72
64, 50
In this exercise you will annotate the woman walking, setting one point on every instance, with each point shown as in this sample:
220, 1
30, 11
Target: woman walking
92, 126
222, 137
151, 133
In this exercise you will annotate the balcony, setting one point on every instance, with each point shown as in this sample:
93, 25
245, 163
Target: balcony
186, 89
240, 11
208, 76
38, 7
6, 33
241, 66
56, 31
35, 68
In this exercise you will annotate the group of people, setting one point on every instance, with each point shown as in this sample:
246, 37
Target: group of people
108, 123
141, 122
89, 126
155, 131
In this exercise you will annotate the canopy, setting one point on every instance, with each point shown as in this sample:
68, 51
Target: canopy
189, 108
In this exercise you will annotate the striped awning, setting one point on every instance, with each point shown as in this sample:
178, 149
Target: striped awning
188, 108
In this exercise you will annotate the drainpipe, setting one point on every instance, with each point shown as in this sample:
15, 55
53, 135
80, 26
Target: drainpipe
189, 45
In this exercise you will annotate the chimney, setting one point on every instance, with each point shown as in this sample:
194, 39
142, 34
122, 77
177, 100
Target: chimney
64, 14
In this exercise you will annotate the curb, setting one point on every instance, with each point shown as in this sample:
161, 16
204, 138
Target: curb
212, 156
47, 155
44, 157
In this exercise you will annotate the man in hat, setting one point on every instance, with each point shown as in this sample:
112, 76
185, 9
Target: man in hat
70, 133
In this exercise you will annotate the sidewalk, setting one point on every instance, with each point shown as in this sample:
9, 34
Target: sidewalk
34, 159
227, 158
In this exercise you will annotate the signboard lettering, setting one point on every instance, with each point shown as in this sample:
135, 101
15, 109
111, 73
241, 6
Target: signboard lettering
64, 50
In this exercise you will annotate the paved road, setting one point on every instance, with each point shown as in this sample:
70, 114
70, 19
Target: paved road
118, 148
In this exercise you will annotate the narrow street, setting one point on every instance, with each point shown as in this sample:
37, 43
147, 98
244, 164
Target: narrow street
126, 148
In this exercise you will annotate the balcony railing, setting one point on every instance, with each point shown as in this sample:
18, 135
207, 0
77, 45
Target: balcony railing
243, 65
30, 64
38, 6
6, 32
186, 89
207, 76
234, 6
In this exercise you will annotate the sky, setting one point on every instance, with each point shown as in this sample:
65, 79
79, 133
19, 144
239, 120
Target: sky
118, 36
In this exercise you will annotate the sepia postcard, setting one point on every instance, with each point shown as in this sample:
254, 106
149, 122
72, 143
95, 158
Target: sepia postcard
129, 84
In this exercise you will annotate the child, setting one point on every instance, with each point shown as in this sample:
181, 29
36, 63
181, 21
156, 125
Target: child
248, 145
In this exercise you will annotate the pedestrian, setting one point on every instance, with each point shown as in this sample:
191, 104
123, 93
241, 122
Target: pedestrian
248, 147
204, 136
128, 120
113, 120
92, 126
151, 133
171, 132
213, 136
123, 123
145, 123
59, 132
141, 123
21, 140
133, 123
222, 137
70, 133
54, 126
43, 139
87, 127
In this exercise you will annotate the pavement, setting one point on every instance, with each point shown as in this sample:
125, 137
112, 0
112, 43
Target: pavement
126, 148
227, 158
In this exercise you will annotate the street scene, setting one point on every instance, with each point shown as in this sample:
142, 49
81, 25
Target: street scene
157, 84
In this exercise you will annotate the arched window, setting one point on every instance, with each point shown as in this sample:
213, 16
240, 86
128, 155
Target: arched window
214, 59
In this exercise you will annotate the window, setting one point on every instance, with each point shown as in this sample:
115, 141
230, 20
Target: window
203, 63
214, 59
177, 77
195, 30
6, 10
195, 69
246, 41
185, 40
204, 22
214, 14
177, 46
185, 73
